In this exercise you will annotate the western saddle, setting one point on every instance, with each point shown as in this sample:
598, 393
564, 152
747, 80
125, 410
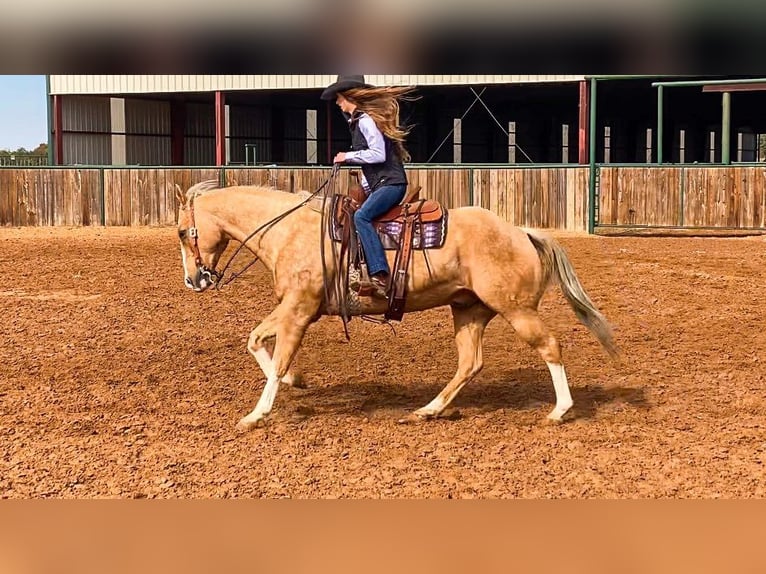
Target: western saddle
405, 220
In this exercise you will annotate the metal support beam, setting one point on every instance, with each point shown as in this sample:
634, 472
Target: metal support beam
49, 103
726, 128
592, 141
582, 140
685, 83
220, 128
759, 87
660, 124
177, 129
58, 130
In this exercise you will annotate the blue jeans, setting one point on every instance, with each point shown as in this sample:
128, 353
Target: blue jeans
379, 202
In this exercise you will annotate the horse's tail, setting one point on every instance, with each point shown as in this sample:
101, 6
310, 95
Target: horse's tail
558, 267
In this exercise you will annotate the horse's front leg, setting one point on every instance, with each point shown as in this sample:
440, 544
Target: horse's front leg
256, 345
288, 324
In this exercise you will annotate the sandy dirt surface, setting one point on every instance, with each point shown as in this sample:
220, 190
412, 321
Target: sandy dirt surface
116, 381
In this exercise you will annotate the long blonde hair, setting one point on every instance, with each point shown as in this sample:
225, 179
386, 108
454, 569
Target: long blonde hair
382, 105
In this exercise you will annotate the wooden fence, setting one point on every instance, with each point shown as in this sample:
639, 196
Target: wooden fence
547, 197
147, 196
37, 196
550, 198
688, 197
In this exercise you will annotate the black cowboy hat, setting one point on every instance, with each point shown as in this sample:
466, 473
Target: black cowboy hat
342, 84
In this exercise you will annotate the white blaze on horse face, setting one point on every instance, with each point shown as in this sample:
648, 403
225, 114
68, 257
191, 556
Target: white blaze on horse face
183, 258
187, 278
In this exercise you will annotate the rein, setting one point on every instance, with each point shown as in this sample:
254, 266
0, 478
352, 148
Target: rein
266, 226
340, 279
335, 288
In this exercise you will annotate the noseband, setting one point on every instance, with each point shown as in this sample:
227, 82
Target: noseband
209, 274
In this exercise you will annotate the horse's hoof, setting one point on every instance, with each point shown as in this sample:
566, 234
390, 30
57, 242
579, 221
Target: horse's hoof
246, 425
554, 419
414, 418
297, 382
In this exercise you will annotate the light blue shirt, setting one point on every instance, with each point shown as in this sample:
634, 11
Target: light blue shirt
376, 147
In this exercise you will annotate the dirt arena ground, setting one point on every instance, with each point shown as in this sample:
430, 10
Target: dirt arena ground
118, 382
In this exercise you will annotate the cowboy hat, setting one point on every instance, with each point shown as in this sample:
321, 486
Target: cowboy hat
343, 83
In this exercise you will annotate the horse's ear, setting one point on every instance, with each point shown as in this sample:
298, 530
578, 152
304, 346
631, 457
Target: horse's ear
180, 196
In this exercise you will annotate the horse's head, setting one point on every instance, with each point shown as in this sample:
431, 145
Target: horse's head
202, 239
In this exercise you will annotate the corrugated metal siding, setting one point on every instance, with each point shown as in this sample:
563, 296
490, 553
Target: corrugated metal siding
106, 84
86, 114
148, 150
200, 120
249, 121
237, 152
147, 117
438, 80
295, 136
89, 149
199, 151
249, 125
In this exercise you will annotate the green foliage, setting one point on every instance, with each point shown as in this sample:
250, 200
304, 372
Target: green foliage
42, 149
23, 157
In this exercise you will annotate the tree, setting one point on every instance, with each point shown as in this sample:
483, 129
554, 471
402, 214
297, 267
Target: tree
42, 149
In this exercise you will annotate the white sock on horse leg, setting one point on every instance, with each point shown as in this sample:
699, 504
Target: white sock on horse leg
561, 386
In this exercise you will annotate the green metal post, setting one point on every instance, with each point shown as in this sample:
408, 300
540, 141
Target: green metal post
726, 129
50, 118
660, 127
592, 158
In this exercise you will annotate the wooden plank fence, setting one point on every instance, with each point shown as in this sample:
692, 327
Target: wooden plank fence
549, 198
146, 196
535, 197
712, 197
38, 196
726, 197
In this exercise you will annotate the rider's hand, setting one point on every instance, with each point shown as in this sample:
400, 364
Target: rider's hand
340, 157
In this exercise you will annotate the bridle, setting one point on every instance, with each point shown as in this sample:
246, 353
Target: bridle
210, 274
217, 277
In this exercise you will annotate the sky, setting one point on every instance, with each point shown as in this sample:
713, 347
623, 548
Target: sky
23, 112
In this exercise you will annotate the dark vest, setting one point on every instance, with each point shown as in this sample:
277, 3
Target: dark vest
390, 172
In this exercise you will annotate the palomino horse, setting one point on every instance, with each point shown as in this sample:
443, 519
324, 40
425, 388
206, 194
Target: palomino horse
486, 267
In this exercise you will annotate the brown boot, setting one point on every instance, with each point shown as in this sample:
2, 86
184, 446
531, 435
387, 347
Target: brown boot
378, 285
375, 287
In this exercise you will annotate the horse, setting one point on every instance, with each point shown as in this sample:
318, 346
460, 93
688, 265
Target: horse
486, 267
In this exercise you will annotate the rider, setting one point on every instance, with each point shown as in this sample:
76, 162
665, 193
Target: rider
377, 144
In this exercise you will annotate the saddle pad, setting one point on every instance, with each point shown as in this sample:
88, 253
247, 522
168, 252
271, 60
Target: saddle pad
429, 235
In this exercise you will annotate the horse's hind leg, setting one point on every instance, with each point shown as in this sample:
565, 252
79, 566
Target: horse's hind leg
469, 330
530, 328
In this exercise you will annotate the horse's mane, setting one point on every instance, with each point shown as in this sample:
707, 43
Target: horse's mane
200, 188
204, 187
